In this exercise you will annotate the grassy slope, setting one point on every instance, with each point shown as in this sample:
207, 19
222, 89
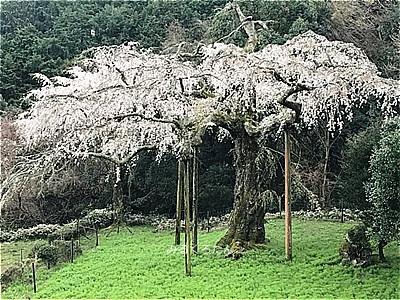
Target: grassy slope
10, 252
145, 265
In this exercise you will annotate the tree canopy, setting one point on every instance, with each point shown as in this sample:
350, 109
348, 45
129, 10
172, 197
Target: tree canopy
118, 100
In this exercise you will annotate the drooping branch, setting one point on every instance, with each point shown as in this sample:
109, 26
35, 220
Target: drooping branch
295, 88
136, 152
119, 118
113, 159
296, 107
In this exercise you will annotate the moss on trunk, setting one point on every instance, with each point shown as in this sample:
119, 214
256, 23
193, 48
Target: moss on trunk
246, 226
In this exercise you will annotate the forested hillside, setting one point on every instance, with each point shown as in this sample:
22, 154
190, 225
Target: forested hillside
44, 36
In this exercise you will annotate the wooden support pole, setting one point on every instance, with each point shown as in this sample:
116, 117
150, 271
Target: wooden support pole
20, 257
178, 204
208, 221
77, 231
195, 201
72, 250
97, 235
288, 213
34, 277
341, 211
188, 246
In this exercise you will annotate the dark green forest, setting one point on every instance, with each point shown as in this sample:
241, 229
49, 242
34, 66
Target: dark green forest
47, 36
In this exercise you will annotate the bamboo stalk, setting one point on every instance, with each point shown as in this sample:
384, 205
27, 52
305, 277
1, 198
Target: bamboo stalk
288, 213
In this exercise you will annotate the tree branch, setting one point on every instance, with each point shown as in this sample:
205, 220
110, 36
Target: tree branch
249, 26
113, 159
232, 32
295, 88
296, 107
119, 118
136, 152
122, 74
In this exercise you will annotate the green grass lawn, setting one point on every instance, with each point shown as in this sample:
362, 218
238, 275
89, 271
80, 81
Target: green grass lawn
146, 265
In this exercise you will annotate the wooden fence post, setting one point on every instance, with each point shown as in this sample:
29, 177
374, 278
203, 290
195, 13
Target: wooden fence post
97, 235
208, 221
77, 231
72, 250
34, 277
20, 257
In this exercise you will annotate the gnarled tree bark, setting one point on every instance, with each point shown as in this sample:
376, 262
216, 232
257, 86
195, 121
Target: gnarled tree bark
246, 226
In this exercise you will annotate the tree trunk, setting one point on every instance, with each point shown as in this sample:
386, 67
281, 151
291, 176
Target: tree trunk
381, 245
324, 196
118, 202
246, 225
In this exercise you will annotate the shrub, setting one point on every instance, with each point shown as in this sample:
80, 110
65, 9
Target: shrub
64, 249
10, 274
41, 231
333, 214
98, 217
356, 249
44, 251
66, 232
58, 251
139, 219
355, 173
6, 236
383, 189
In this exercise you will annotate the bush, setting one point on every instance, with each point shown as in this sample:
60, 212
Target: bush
98, 217
355, 173
383, 189
64, 249
47, 253
6, 236
10, 274
58, 251
139, 219
333, 214
356, 249
41, 231
65, 232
